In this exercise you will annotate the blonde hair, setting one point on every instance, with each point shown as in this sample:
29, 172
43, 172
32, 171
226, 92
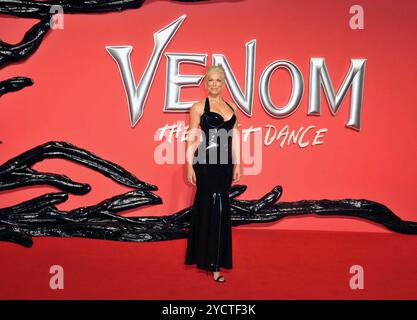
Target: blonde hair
216, 68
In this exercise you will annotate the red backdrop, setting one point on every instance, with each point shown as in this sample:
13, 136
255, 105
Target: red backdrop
78, 97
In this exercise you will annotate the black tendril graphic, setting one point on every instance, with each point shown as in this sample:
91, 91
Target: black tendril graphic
40, 217
44, 11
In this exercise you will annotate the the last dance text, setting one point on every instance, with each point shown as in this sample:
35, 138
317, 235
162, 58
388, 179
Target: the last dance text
284, 136
303, 137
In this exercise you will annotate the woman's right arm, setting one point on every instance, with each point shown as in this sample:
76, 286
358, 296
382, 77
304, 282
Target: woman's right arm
193, 140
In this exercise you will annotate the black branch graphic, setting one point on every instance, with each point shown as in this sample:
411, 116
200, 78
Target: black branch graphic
40, 217
44, 11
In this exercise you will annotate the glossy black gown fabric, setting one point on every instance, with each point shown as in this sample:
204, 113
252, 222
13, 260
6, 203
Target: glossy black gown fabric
209, 244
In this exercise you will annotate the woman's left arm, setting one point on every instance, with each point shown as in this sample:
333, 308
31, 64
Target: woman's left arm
236, 155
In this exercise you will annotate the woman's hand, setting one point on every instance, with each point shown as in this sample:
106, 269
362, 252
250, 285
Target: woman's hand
237, 174
191, 175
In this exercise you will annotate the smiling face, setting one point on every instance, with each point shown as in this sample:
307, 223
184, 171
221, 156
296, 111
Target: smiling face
214, 83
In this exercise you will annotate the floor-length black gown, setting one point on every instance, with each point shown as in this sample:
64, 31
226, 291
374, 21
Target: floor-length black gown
209, 243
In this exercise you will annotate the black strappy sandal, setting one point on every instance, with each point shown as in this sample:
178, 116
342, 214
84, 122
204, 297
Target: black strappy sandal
218, 279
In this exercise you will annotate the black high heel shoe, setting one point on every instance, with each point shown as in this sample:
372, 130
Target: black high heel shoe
219, 278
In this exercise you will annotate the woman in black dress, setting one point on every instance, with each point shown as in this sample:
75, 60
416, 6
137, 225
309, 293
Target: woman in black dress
212, 165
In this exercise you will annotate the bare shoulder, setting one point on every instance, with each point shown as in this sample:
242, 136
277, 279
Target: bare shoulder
198, 107
233, 106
